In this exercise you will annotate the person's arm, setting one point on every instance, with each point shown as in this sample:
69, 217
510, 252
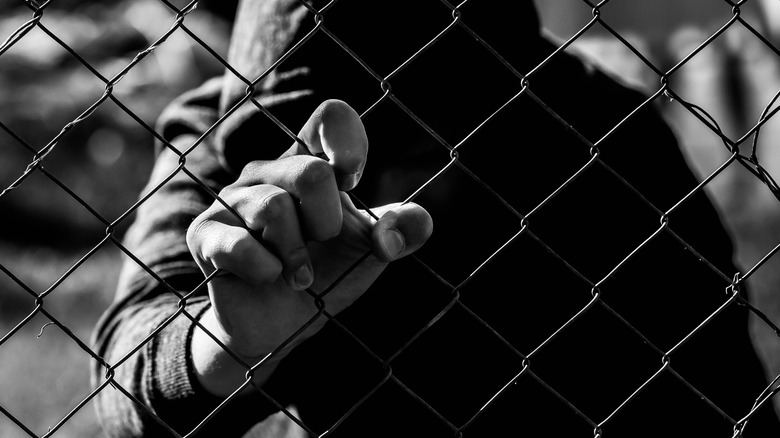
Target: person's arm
158, 375
143, 337
179, 374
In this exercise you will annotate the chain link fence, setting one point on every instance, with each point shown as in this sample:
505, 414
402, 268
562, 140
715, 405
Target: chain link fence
739, 152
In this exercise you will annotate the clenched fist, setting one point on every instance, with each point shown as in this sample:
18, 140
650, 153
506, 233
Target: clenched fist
290, 227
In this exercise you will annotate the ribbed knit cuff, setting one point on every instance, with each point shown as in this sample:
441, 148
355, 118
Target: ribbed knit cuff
177, 398
180, 400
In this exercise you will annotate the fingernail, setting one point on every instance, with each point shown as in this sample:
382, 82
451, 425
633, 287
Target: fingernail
393, 241
303, 276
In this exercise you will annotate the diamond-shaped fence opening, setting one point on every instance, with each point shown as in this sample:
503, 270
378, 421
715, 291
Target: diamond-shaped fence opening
603, 256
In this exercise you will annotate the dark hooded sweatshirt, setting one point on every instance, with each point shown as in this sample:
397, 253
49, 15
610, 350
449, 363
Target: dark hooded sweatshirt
588, 295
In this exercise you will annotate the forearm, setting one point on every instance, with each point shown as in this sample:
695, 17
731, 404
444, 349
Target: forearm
155, 383
155, 388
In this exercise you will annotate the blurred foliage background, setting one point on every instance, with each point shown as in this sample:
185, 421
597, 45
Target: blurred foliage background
106, 158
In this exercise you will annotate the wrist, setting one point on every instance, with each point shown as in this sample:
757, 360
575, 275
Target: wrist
220, 372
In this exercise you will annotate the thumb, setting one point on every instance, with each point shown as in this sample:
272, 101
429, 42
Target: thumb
400, 231
335, 133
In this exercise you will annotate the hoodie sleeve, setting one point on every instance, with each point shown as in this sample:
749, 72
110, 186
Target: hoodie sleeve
149, 386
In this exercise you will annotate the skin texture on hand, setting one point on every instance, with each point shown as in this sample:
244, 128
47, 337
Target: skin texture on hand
289, 234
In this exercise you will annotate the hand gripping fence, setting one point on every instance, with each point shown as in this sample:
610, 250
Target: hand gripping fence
665, 366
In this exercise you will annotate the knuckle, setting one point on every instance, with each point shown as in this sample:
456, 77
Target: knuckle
277, 205
237, 246
226, 193
248, 172
195, 231
312, 173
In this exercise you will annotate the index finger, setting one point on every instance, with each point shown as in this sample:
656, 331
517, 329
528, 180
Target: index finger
335, 133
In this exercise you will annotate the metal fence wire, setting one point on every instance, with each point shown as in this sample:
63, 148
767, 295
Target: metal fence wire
643, 358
